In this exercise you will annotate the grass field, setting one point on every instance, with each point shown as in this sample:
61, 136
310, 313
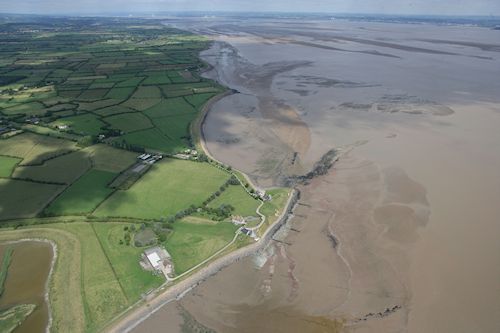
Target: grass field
272, 209
147, 92
34, 148
131, 276
32, 109
7, 165
141, 104
50, 131
129, 122
170, 107
84, 195
83, 124
199, 99
111, 110
103, 295
110, 159
170, 186
63, 169
122, 93
175, 127
152, 139
191, 243
243, 203
23, 198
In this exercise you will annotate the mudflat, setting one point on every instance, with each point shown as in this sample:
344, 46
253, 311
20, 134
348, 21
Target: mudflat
26, 282
402, 233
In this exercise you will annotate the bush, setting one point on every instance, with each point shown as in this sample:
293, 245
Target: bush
233, 181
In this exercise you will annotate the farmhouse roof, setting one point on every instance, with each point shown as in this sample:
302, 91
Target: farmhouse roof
154, 259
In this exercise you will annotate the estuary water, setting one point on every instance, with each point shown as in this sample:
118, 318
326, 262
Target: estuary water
402, 235
26, 282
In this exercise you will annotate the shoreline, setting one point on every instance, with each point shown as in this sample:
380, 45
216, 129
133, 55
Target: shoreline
139, 312
46, 295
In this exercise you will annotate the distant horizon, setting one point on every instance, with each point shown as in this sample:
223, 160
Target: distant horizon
229, 12
328, 7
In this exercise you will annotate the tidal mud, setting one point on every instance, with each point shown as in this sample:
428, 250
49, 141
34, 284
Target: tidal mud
401, 235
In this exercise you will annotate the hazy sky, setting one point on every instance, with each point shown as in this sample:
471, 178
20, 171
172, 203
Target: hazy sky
435, 7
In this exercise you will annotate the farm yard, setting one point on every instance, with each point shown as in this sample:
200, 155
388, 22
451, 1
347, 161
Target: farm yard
96, 155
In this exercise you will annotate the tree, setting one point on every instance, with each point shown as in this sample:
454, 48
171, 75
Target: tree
233, 180
202, 157
127, 238
86, 141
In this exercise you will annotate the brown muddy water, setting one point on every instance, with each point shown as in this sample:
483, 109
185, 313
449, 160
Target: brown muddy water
402, 235
26, 282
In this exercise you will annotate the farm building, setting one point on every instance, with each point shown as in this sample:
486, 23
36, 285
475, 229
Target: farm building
160, 260
249, 233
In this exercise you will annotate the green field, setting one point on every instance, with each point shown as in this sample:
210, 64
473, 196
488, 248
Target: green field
129, 122
110, 159
82, 124
170, 107
84, 195
50, 131
104, 295
32, 109
7, 165
170, 186
191, 243
63, 169
131, 276
151, 139
199, 100
121, 93
243, 203
147, 92
175, 127
111, 110
33, 148
272, 209
23, 198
